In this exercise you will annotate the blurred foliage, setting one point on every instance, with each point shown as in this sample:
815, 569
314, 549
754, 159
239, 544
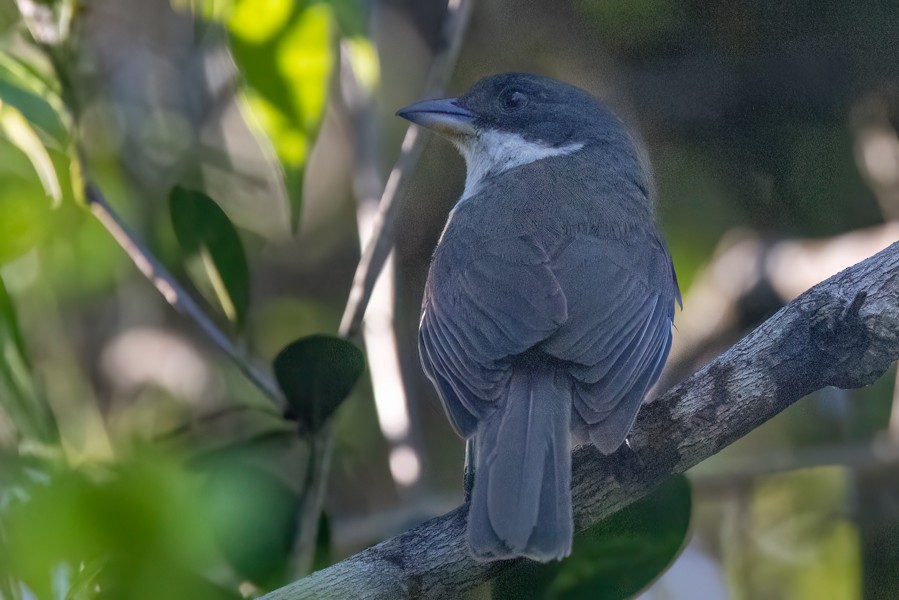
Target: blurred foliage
110, 531
795, 539
212, 251
286, 53
614, 559
20, 395
746, 109
634, 24
19, 132
254, 512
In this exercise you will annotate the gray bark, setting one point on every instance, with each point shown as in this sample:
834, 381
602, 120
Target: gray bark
843, 332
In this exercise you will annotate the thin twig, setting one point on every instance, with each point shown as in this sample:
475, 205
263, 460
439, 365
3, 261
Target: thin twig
370, 266
173, 293
44, 28
378, 331
312, 497
375, 255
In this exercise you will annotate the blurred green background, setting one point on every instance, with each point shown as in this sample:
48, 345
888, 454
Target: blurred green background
136, 461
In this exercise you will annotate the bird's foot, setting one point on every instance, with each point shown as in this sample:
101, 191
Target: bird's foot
469, 471
632, 452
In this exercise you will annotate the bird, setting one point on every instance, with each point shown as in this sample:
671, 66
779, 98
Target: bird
548, 307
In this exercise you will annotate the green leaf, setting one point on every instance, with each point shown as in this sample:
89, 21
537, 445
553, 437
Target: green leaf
144, 516
256, 519
286, 53
38, 111
316, 374
212, 251
19, 132
25, 218
616, 558
86, 580
20, 397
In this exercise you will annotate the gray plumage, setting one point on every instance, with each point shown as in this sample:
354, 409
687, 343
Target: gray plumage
548, 305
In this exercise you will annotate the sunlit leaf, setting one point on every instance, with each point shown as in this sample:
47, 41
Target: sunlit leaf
20, 396
317, 373
286, 58
258, 21
20, 133
614, 559
363, 58
208, 9
290, 142
206, 234
305, 59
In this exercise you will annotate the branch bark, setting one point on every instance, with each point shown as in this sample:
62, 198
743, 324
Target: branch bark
843, 332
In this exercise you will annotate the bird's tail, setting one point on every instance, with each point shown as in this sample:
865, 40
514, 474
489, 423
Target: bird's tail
521, 501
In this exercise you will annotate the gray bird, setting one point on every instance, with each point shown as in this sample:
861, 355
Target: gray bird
548, 307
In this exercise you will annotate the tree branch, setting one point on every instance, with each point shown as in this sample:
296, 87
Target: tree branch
372, 262
384, 228
166, 284
843, 332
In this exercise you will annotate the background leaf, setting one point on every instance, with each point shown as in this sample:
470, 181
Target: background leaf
316, 374
18, 130
614, 559
140, 517
286, 51
39, 112
20, 397
256, 518
212, 251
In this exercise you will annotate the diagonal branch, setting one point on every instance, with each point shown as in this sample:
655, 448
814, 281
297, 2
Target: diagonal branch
372, 262
383, 234
176, 295
843, 332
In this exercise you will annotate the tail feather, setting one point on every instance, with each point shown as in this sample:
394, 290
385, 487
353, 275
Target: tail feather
521, 502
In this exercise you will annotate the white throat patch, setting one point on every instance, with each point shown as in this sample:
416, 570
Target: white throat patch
493, 152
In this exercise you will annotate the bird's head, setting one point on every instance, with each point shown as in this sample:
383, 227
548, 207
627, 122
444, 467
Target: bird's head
512, 119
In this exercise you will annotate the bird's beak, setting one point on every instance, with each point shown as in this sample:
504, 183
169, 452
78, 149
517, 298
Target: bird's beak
444, 116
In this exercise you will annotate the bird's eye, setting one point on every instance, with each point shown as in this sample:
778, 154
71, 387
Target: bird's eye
513, 100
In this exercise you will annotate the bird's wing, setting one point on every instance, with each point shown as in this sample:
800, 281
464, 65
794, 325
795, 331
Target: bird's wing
497, 299
621, 296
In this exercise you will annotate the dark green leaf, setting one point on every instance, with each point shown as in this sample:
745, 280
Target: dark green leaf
20, 396
212, 251
316, 374
37, 110
256, 520
616, 558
